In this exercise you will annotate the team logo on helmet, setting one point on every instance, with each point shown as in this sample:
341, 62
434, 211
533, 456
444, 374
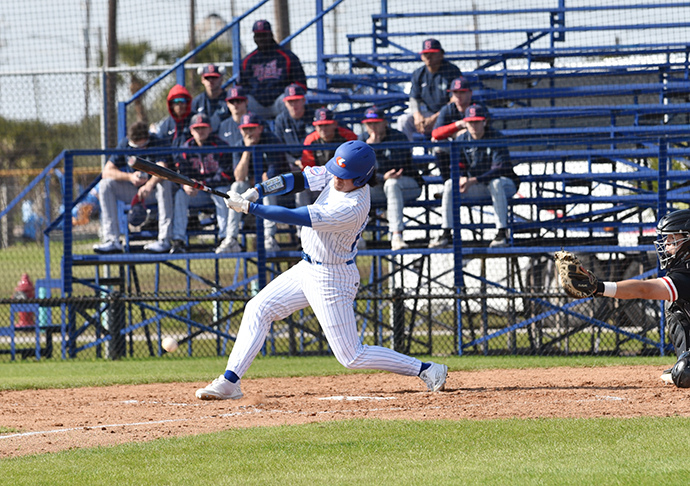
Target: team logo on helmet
340, 161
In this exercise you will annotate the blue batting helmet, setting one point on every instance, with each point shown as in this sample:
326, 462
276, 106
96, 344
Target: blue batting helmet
353, 160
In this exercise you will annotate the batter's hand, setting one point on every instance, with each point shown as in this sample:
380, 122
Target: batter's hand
251, 195
237, 203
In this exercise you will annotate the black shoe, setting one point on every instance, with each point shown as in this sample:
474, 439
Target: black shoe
178, 246
500, 240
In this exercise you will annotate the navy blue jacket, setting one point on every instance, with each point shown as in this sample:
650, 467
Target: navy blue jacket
432, 89
485, 163
214, 169
265, 74
120, 161
387, 159
274, 163
216, 110
293, 132
229, 132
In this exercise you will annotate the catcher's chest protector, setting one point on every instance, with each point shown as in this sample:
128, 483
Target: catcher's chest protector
678, 325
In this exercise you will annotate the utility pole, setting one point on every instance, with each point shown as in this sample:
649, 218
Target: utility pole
282, 15
111, 77
87, 55
192, 40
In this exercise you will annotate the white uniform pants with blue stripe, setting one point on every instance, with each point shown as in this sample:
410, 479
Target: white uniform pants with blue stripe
499, 190
330, 290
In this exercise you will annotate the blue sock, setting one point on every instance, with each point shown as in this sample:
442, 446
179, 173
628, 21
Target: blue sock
424, 367
231, 376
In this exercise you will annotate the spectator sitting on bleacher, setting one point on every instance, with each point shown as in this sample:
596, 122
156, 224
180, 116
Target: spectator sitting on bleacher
213, 170
486, 172
267, 71
294, 123
254, 132
449, 123
212, 100
326, 131
429, 90
174, 130
402, 181
120, 183
229, 130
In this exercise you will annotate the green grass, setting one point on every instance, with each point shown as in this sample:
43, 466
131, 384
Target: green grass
63, 374
500, 452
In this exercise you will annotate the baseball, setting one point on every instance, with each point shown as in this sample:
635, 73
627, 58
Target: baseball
169, 344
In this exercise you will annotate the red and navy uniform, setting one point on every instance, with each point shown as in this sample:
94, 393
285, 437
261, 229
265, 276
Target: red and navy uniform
265, 74
293, 132
213, 170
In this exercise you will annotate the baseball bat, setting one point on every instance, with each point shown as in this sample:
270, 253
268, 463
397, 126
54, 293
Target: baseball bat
144, 165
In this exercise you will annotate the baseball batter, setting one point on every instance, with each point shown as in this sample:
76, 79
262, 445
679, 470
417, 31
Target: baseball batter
326, 279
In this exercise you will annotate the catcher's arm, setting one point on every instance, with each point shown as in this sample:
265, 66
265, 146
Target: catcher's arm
577, 281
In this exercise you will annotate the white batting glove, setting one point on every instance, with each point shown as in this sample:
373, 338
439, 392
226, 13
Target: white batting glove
251, 195
237, 203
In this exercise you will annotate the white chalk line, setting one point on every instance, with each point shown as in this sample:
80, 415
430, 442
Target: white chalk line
232, 414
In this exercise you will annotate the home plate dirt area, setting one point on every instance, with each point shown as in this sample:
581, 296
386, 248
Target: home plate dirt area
55, 420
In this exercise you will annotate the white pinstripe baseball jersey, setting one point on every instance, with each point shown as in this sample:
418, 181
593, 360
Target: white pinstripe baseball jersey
338, 219
329, 286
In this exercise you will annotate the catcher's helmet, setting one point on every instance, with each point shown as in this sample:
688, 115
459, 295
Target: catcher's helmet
353, 160
137, 214
673, 249
680, 373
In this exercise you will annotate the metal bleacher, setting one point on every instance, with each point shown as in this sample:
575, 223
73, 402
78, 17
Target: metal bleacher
597, 133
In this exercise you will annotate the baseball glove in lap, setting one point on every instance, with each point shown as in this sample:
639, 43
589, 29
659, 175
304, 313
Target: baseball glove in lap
576, 280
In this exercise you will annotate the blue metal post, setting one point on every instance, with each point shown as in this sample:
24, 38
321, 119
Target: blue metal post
236, 52
68, 198
121, 120
179, 75
46, 237
661, 211
257, 159
320, 64
459, 282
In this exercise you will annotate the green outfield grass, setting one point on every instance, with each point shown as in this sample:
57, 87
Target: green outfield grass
501, 452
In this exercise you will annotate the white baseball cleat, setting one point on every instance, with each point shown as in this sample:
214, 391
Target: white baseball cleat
666, 376
220, 389
435, 376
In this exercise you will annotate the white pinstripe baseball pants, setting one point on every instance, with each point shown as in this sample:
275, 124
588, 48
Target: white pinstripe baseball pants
330, 290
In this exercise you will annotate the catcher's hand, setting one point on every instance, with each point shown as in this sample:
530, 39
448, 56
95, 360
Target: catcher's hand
237, 203
576, 280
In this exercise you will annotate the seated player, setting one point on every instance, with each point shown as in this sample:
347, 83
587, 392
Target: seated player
402, 182
486, 173
213, 170
211, 101
120, 183
174, 130
254, 132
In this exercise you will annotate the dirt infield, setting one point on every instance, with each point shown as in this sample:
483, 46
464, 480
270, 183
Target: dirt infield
54, 420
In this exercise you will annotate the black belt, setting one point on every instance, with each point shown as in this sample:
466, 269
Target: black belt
309, 259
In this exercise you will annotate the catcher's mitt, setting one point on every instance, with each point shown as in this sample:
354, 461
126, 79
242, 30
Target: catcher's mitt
576, 280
